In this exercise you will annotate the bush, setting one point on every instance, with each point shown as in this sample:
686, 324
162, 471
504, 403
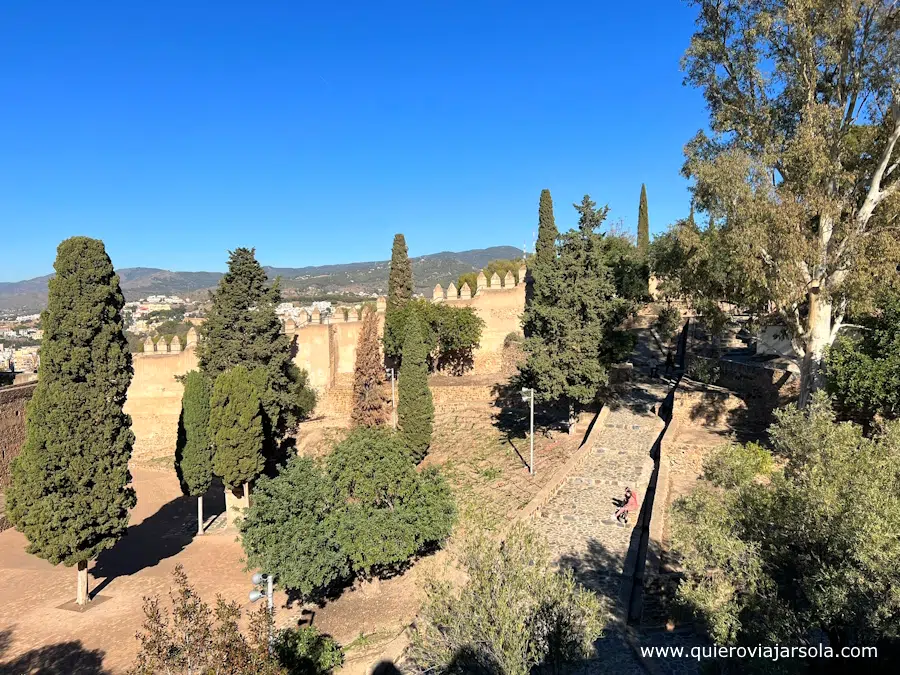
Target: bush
513, 338
191, 643
667, 323
305, 651
703, 370
366, 511
516, 612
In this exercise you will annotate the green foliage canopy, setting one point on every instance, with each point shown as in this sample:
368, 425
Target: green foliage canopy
864, 369
193, 452
515, 612
242, 329
415, 409
70, 493
236, 428
572, 322
778, 544
364, 511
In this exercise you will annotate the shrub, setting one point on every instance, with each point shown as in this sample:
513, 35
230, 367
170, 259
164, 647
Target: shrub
513, 338
516, 612
290, 528
667, 323
190, 642
305, 651
703, 370
367, 511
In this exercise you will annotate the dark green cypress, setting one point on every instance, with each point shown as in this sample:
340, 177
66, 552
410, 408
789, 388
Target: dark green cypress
242, 329
415, 409
236, 428
574, 331
643, 228
400, 291
193, 453
537, 289
70, 492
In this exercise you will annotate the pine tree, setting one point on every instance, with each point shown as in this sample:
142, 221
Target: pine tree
643, 228
193, 453
400, 291
573, 330
236, 428
415, 408
369, 403
70, 493
242, 329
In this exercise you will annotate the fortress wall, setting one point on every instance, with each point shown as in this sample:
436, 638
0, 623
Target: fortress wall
501, 310
13, 400
154, 400
312, 353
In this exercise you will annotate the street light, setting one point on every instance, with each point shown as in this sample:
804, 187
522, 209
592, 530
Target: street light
528, 397
259, 579
390, 371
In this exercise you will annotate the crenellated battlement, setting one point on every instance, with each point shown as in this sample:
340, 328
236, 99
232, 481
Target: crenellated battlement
495, 283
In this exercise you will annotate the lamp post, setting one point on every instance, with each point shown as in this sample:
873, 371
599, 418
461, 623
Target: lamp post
390, 371
259, 579
528, 397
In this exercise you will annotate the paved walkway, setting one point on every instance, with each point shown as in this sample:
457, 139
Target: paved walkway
578, 522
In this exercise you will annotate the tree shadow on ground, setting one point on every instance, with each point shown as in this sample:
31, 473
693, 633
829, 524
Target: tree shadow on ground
595, 567
164, 534
512, 414
65, 658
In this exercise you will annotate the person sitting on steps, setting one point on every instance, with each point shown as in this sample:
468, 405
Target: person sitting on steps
629, 504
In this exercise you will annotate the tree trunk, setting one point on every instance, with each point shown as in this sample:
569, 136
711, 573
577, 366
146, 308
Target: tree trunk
82, 597
247, 493
572, 419
812, 374
200, 514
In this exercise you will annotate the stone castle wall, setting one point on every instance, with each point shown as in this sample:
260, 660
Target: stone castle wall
324, 347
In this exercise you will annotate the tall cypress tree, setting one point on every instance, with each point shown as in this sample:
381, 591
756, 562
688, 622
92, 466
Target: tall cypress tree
70, 493
242, 329
369, 404
415, 408
236, 428
400, 291
193, 453
643, 228
574, 332
537, 290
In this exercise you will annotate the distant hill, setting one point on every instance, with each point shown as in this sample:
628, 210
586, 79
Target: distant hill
361, 277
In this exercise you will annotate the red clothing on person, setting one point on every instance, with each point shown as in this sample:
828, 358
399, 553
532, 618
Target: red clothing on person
632, 503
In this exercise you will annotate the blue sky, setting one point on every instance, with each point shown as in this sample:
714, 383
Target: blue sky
175, 130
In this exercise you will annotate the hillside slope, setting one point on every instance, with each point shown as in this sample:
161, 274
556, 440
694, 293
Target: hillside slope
360, 277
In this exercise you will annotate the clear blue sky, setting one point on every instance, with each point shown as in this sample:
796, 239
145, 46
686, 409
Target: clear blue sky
175, 130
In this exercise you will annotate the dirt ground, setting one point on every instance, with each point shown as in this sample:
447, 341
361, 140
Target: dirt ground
486, 464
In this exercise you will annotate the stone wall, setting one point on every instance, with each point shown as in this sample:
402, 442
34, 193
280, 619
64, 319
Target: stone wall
755, 382
326, 346
13, 400
154, 400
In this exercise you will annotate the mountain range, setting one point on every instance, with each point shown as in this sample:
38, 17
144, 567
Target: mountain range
315, 281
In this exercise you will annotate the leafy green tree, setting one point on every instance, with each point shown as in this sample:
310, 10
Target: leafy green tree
400, 292
366, 512
451, 334
572, 326
628, 266
391, 511
370, 406
236, 429
864, 369
779, 544
193, 452
242, 329
643, 227
189, 642
515, 614
415, 409
799, 172
291, 529
70, 492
